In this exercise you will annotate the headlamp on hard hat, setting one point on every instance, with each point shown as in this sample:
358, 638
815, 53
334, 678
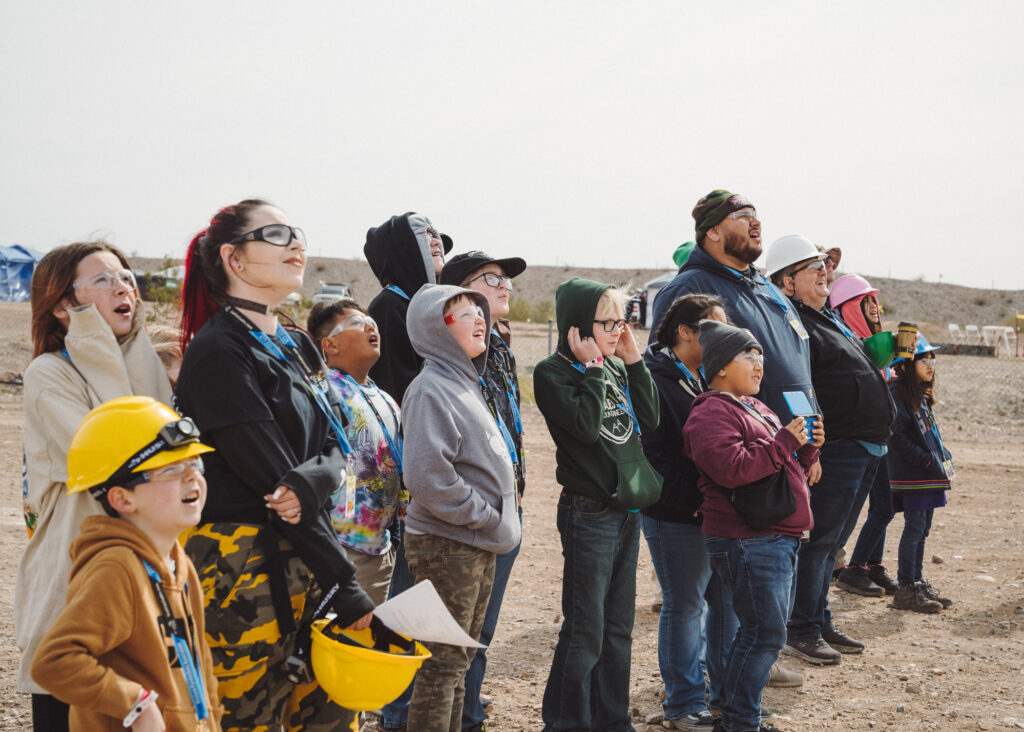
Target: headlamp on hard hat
171, 436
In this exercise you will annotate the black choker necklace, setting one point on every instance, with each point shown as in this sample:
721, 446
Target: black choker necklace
256, 307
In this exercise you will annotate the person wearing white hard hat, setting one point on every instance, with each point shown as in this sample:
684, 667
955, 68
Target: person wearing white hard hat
858, 413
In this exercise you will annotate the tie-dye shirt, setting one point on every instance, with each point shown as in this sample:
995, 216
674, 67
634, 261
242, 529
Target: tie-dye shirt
379, 492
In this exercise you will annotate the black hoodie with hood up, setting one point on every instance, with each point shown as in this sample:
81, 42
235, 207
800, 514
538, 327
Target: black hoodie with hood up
399, 255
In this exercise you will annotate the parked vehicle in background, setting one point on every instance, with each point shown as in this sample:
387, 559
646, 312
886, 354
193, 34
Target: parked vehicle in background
332, 292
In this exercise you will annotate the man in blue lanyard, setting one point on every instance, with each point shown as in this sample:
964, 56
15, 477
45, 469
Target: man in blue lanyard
728, 242
858, 413
492, 277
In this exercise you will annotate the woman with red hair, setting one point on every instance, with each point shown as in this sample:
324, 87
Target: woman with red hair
265, 548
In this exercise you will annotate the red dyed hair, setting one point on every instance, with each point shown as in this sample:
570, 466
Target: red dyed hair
206, 283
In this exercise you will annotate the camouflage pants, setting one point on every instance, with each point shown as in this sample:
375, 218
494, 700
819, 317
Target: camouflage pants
463, 576
248, 648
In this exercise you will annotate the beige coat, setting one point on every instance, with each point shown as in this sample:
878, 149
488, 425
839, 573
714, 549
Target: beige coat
57, 395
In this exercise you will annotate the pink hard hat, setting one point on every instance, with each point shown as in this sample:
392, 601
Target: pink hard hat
848, 287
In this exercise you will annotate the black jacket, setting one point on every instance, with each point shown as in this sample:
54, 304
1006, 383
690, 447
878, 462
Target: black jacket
916, 452
398, 260
663, 446
852, 394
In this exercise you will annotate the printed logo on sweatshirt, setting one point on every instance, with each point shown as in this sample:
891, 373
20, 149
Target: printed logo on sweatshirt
616, 424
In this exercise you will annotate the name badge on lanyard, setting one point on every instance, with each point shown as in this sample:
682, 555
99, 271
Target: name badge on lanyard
795, 324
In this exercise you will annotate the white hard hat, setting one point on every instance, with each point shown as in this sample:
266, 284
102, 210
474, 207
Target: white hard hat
790, 249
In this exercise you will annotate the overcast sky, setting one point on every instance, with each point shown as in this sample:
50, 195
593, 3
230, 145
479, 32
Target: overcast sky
564, 132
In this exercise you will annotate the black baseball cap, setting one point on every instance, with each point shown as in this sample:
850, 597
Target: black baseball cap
459, 267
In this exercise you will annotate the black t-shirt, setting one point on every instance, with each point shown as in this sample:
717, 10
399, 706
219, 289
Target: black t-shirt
257, 413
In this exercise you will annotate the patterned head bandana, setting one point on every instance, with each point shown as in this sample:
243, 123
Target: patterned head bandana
715, 206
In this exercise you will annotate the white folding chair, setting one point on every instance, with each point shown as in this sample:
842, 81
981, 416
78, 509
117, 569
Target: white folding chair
955, 334
973, 335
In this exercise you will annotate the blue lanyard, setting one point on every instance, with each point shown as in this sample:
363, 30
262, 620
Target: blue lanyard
689, 374
315, 390
842, 326
510, 389
627, 407
764, 283
193, 679
398, 291
764, 418
927, 415
396, 451
509, 444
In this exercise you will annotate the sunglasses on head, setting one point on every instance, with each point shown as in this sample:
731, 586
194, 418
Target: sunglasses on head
280, 235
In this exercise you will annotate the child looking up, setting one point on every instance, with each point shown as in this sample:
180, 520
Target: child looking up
736, 441
596, 396
128, 650
463, 491
920, 470
365, 513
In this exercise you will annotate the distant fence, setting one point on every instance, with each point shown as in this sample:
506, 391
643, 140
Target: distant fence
978, 392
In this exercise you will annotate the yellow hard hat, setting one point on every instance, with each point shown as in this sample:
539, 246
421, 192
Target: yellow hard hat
362, 670
125, 436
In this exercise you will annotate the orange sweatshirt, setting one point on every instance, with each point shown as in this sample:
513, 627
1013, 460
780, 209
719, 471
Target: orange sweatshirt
107, 645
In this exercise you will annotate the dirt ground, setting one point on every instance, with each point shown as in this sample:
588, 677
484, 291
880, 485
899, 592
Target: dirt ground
962, 669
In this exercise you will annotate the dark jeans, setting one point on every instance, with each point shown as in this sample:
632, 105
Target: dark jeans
395, 714
473, 714
588, 685
686, 579
916, 526
870, 544
847, 472
49, 714
759, 574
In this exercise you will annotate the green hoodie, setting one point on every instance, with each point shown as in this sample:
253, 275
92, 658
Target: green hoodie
597, 448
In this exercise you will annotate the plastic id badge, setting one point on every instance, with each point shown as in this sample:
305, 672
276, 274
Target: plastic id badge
796, 325
350, 496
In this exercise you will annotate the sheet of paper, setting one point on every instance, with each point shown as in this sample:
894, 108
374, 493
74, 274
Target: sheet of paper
420, 613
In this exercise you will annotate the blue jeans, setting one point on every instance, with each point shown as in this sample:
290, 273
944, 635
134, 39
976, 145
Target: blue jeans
473, 714
916, 525
588, 685
759, 574
870, 544
847, 472
395, 714
681, 562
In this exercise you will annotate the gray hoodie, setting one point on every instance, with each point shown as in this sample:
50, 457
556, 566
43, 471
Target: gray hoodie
457, 467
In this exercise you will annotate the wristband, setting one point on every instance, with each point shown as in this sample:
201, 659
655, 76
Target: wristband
146, 697
594, 362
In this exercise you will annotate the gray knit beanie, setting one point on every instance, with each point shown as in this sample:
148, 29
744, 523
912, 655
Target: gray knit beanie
720, 342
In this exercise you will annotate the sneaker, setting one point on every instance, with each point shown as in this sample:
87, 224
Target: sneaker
912, 597
697, 720
932, 593
766, 713
783, 678
856, 580
813, 650
841, 641
881, 578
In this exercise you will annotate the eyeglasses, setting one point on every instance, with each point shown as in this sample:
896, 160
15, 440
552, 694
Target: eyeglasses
113, 279
757, 358
744, 213
475, 313
353, 322
816, 265
493, 280
280, 235
610, 326
169, 472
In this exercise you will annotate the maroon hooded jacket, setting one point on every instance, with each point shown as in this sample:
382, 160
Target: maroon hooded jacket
731, 448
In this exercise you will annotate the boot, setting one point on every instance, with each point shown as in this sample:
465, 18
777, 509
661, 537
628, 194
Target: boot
932, 593
878, 575
783, 678
856, 580
912, 597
